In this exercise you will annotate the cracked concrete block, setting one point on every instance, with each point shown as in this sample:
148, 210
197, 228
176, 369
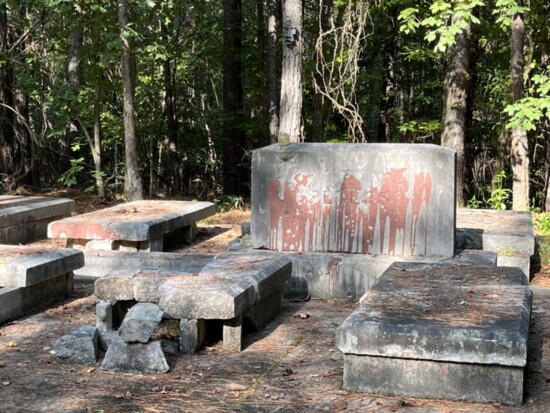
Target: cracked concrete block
140, 322
135, 357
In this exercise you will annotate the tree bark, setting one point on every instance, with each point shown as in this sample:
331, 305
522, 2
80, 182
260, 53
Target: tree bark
133, 189
234, 142
455, 90
319, 109
273, 85
7, 124
96, 149
386, 124
171, 120
290, 115
519, 143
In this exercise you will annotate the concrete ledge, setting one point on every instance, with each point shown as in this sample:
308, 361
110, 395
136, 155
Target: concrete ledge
434, 380
16, 302
22, 266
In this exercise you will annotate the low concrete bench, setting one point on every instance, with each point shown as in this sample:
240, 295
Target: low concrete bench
508, 233
24, 219
229, 288
135, 226
440, 331
33, 277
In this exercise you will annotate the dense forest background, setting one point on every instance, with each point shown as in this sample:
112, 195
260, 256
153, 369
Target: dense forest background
153, 98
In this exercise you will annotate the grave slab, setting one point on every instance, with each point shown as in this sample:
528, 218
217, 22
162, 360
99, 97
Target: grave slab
378, 199
24, 219
138, 225
468, 324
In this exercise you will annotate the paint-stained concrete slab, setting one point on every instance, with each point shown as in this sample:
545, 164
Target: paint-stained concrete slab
138, 225
378, 199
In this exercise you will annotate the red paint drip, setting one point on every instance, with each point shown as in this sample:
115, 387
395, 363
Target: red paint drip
378, 222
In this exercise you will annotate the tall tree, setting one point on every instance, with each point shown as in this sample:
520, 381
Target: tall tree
7, 130
519, 142
273, 85
133, 189
290, 110
455, 98
234, 138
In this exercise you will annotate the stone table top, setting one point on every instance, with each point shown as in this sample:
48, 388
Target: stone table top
133, 221
221, 290
22, 266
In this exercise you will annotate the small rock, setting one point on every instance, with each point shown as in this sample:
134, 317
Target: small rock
135, 357
80, 346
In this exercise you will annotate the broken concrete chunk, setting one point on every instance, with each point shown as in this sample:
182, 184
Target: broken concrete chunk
140, 322
104, 315
80, 346
135, 358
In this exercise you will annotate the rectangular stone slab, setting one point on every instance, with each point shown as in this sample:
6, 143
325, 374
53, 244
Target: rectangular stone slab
22, 266
504, 232
434, 379
456, 319
16, 210
24, 219
134, 221
389, 199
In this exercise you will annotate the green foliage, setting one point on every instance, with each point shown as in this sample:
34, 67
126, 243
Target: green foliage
505, 10
420, 130
474, 203
499, 195
230, 202
444, 21
541, 223
69, 177
527, 112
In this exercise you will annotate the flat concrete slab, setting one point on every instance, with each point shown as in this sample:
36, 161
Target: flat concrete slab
379, 199
504, 232
25, 218
135, 222
458, 324
31, 277
508, 233
22, 266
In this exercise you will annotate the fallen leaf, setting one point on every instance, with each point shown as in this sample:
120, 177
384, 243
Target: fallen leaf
236, 387
6, 383
11, 344
303, 316
90, 369
2, 364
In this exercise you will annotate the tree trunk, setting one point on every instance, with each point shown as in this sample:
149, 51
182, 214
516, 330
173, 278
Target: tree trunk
7, 132
73, 79
290, 117
96, 149
171, 121
386, 124
273, 85
133, 189
519, 143
234, 172
319, 109
455, 90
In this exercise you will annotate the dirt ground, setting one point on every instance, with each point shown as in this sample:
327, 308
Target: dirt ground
290, 366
